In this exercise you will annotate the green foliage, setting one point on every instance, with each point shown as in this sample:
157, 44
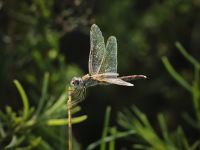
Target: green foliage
109, 135
147, 136
24, 99
193, 88
31, 34
105, 127
30, 46
22, 130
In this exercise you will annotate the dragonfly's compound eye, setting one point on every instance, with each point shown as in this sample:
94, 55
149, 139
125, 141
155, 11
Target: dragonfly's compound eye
77, 82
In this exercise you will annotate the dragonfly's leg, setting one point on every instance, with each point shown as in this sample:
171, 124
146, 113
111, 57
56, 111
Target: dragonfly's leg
74, 103
79, 96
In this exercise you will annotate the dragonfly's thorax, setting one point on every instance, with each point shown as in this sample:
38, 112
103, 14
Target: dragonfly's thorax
89, 81
77, 82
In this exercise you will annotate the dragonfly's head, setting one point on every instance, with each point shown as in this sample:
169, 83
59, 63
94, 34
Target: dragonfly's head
77, 82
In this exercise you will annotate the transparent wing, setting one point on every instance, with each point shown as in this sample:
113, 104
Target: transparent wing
109, 61
106, 75
117, 81
78, 95
97, 49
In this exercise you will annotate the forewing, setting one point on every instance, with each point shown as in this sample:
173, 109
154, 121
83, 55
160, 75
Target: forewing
97, 49
116, 81
109, 61
106, 75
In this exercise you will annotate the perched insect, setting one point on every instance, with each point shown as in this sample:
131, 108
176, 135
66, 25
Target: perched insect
102, 66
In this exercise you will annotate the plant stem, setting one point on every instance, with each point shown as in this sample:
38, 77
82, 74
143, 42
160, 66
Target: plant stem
69, 119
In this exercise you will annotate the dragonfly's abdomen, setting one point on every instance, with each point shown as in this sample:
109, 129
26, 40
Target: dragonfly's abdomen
132, 77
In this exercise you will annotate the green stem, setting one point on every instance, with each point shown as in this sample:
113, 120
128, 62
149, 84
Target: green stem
196, 93
24, 99
176, 75
105, 128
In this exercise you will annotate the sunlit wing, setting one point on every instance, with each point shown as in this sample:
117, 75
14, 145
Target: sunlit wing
109, 61
78, 95
106, 75
117, 81
97, 49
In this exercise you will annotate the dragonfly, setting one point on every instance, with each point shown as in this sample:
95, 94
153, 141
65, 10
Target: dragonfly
102, 66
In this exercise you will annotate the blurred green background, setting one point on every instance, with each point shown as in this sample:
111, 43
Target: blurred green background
52, 37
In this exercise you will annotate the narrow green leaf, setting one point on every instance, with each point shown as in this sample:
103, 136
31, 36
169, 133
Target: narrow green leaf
196, 94
76, 109
44, 8
113, 132
124, 121
15, 142
62, 122
191, 59
2, 132
142, 147
57, 105
181, 138
24, 98
145, 130
110, 138
175, 75
12, 143
163, 125
195, 145
191, 121
105, 127
44, 93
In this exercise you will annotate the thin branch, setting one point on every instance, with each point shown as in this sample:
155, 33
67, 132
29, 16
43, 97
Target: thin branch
69, 119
